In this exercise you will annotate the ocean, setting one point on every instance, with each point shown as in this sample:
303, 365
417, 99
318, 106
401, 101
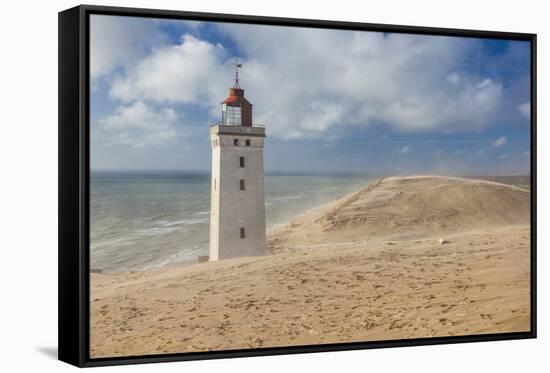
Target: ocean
143, 220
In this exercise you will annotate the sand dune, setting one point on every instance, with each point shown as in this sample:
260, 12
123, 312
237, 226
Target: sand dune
407, 208
425, 204
366, 267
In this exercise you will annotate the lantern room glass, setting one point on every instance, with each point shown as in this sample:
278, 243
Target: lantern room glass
231, 115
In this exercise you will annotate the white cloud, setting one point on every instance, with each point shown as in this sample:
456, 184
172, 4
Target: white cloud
453, 77
190, 72
526, 154
406, 149
368, 76
525, 109
501, 141
115, 43
438, 152
503, 156
139, 126
311, 82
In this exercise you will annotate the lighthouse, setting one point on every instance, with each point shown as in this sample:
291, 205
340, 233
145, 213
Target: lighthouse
237, 206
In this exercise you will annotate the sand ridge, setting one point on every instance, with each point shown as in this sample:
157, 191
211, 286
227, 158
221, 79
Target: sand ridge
409, 207
366, 267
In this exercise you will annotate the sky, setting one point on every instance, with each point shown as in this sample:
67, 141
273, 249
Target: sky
331, 100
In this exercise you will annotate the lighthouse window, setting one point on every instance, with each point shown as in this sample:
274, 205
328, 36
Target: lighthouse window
242, 184
242, 161
247, 142
236, 142
214, 184
231, 115
242, 233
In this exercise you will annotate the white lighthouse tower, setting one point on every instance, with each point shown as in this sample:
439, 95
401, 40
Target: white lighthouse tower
237, 210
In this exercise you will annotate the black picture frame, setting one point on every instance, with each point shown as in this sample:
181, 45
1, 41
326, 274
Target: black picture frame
74, 176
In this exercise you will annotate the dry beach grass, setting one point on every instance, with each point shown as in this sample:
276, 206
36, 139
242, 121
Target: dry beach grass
368, 266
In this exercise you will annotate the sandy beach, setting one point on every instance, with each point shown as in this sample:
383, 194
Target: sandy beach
405, 257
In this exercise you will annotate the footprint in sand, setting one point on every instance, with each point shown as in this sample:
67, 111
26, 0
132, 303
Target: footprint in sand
486, 316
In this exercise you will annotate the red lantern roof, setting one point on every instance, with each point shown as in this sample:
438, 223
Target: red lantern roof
236, 97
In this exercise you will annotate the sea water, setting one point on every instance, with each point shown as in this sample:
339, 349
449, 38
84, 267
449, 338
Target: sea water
149, 219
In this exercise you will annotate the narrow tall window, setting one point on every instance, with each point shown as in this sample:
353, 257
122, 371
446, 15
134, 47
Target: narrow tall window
247, 142
242, 161
242, 233
214, 184
242, 184
236, 142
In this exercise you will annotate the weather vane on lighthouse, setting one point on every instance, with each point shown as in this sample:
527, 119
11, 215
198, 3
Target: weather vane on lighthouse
237, 67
